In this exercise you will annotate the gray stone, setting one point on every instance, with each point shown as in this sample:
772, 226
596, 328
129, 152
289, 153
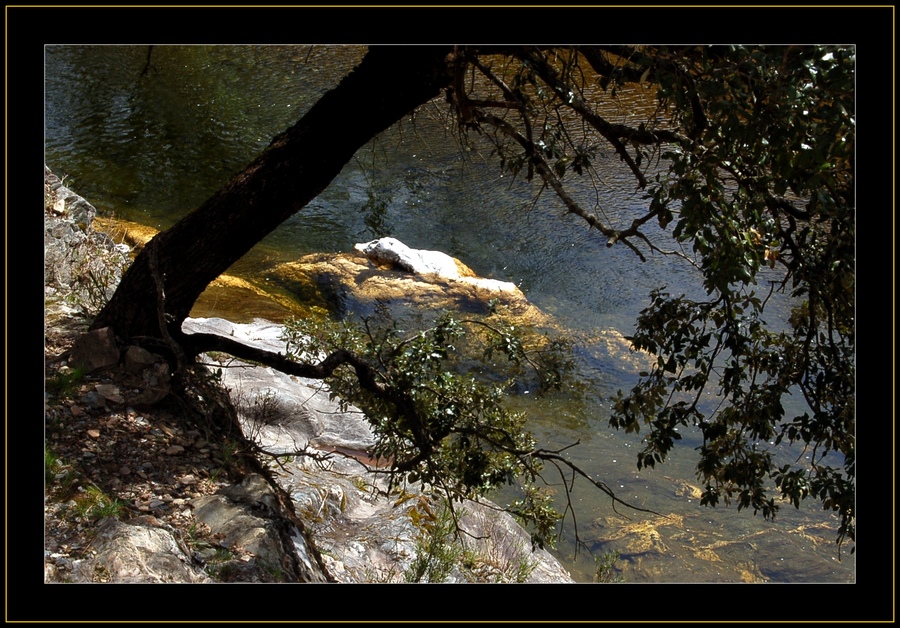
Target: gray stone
79, 262
284, 413
137, 359
110, 392
65, 202
259, 333
253, 490
234, 514
94, 400
136, 554
368, 536
95, 350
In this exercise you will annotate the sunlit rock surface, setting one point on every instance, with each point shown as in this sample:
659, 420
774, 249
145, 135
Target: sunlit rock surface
356, 283
136, 553
366, 534
392, 253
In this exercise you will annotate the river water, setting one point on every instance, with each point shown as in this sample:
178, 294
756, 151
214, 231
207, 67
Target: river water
148, 135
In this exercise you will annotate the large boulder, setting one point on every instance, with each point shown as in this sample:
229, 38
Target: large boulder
95, 350
240, 516
62, 201
386, 273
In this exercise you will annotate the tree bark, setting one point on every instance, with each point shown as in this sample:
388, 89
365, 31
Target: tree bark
168, 276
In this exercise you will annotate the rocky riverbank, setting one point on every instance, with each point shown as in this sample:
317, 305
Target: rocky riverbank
143, 484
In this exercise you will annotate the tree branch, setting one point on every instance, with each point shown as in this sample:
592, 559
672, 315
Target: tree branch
195, 344
544, 454
601, 64
553, 181
613, 133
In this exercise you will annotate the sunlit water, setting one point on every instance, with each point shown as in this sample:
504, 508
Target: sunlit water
148, 138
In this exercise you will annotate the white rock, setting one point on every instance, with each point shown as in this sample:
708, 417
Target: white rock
393, 251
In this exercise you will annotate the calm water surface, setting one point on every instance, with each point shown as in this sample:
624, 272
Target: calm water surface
150, 137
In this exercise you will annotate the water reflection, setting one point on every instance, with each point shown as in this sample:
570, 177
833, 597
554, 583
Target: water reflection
151, 141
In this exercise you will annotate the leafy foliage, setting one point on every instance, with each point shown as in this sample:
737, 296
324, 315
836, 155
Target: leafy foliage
434, 423
767, 186
436, 554
748, 164
606, 568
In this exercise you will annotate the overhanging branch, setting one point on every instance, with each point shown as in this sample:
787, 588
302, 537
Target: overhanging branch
555, 457
195, 344
613, 133
553, 181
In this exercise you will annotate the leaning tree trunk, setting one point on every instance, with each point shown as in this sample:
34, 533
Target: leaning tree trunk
161, 286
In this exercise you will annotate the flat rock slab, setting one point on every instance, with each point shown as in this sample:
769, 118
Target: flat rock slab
284, 412
365, 535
